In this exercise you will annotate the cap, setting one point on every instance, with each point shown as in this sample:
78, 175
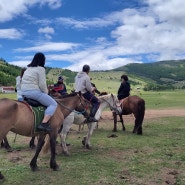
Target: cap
60, 78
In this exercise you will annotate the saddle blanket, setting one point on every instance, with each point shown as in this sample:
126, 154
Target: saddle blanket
38, 115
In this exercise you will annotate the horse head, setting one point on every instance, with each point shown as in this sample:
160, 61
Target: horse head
112, 101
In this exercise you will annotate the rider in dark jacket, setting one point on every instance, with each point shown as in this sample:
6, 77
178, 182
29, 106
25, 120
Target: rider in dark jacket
124, 89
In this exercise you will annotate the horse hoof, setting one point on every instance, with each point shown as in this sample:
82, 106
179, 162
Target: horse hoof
84, 141
34, 169
9, 150
87, 147
32, 146
1, 176
56, 168
66, 154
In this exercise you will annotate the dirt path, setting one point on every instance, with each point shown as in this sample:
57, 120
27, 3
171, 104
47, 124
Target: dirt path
149, 114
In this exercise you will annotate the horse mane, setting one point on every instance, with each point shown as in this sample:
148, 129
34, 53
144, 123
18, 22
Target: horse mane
103, 93
68, 95
103, 97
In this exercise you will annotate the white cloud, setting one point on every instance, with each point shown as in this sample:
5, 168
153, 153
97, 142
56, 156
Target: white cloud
9, 9
171, 11
11, 33
48, 47
22, 63
53, 4
47, 30
85, 24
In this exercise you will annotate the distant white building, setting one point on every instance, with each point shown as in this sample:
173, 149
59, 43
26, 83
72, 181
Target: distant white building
7, 89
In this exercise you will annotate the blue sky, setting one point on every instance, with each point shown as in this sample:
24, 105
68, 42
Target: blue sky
102, 33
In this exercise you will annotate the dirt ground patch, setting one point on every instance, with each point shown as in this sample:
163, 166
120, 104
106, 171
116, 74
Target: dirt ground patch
150, 114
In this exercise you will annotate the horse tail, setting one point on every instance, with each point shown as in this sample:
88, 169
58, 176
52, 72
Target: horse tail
141, 110
139, 117
46, 146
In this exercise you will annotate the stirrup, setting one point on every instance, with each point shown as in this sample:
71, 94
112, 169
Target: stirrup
91, 119
45, 127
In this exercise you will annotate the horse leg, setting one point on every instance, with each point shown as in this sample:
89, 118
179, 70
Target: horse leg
32, 142
3, 139
33, 163
67, 124
122, 122
115, 121
63, 134
6, 145
1, 176
86, 139
53, 163
138, 126
63, 143
79, 128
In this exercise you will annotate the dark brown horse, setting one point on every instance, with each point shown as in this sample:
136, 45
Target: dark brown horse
132, 105
18, 117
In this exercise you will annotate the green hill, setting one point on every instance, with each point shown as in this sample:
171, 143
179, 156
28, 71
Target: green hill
150, 76
8, 73
169, 73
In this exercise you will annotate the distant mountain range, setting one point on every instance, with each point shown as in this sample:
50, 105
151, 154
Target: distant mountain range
165, 74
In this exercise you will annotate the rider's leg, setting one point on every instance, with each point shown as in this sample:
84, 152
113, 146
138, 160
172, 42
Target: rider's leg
95, 105
51, 105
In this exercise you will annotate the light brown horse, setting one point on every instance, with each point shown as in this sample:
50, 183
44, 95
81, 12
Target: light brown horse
132, 105
18, 117
106, 101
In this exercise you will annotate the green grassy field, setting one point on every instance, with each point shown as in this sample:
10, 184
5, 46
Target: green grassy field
156, 158
153, 99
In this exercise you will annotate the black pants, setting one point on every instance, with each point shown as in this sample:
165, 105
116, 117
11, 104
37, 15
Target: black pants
94, 101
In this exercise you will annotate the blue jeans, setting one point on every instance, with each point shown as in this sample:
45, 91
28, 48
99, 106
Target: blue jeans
42, 98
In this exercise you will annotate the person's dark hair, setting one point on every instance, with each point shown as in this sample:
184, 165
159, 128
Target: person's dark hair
38, 60
22, 71
125, 77
86, 68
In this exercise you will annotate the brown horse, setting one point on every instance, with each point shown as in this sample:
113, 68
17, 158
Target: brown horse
132, 105
18, 117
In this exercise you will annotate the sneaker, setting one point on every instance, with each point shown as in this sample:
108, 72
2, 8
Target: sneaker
45, 127
91, 119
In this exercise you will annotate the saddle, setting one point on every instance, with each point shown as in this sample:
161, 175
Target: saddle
32, 102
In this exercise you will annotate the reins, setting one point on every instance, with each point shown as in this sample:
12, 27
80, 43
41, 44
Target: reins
71, 110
